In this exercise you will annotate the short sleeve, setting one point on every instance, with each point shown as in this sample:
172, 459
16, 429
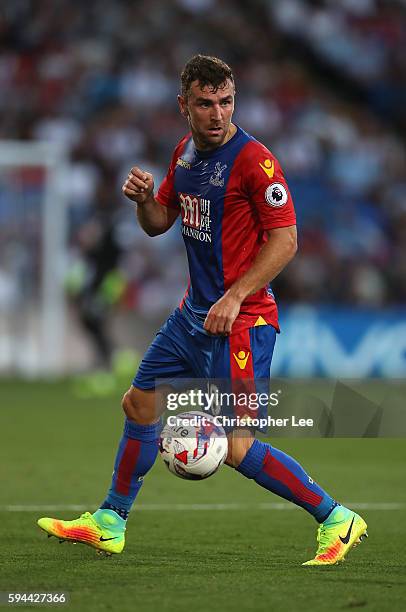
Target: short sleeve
166, 193
266, 187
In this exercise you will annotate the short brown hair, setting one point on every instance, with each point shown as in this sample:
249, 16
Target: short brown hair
207, 70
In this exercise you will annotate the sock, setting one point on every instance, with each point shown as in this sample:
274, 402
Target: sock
120, 511
135, 457
281, 474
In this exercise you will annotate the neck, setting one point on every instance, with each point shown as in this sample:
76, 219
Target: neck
231, 131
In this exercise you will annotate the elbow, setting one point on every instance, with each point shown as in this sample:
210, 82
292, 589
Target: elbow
292, 247
154, 231
151, 232
284, 240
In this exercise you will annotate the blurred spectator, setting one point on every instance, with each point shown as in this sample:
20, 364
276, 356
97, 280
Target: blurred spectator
95, 282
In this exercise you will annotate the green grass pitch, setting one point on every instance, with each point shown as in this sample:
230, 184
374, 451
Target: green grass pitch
59, 450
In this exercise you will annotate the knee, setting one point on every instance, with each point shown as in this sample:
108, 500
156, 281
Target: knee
239, 443
139, 408
129, 405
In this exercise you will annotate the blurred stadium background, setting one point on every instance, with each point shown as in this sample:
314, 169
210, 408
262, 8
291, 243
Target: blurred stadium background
87, 90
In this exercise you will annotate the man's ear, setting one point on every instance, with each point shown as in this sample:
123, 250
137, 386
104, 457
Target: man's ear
183, 106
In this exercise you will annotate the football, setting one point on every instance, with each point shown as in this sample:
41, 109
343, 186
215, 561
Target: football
192, 445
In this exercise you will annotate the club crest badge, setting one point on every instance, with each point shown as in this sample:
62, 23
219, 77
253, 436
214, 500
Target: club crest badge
216, 178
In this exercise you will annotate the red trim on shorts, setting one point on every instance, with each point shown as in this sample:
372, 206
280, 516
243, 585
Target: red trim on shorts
242, 372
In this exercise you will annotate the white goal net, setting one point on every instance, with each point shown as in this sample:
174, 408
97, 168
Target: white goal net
33, 237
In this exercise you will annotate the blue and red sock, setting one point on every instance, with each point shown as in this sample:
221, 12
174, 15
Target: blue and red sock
281, 474
135, 457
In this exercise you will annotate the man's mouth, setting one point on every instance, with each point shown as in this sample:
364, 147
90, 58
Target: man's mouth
215, 130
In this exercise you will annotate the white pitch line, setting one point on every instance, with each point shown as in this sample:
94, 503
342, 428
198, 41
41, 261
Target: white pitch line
179, 507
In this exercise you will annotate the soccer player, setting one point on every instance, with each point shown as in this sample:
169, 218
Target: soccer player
239, 229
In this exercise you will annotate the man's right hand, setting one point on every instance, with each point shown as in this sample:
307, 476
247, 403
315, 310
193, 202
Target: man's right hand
139, 185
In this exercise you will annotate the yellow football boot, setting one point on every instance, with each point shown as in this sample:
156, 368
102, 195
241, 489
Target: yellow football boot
342, 530
103, 530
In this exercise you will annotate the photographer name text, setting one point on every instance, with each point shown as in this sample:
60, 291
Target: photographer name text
243, 421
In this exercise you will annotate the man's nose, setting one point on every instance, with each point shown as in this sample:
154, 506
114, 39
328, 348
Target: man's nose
216, 111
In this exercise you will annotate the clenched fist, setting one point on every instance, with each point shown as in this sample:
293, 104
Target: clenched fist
139, 185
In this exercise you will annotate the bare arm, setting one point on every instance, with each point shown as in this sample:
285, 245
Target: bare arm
154, 218
272, 258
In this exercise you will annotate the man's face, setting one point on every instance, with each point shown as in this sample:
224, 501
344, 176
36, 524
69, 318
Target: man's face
209, 114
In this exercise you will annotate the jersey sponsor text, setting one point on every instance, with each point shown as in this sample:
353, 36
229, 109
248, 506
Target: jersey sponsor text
196, 221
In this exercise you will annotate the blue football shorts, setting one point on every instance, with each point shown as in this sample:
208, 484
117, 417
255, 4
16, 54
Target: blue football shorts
239, 363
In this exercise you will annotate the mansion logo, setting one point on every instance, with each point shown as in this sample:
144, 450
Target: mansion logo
195, 217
